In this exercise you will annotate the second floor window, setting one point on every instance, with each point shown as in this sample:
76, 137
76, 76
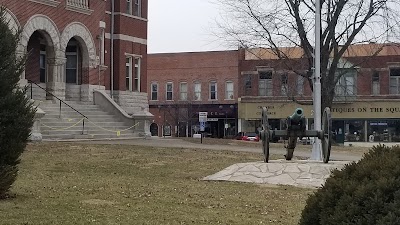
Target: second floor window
137, 11
213, 90
284, 85
346, 84
229, 90
169, 91
129, 7
300, 85
394, 81
183, 91
375, 83
154, 91
197, 91
265, 83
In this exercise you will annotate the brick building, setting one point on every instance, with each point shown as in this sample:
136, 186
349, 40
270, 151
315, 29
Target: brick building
183, 84
367, 97
78, 46
365, 107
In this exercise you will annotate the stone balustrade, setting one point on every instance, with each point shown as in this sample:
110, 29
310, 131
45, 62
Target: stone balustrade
84, 4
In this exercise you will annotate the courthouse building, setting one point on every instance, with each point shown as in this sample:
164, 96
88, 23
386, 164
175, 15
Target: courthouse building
77, 47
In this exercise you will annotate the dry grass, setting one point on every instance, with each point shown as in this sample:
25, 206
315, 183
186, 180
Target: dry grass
104, 184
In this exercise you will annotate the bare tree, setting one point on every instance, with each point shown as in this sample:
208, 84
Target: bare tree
282, 27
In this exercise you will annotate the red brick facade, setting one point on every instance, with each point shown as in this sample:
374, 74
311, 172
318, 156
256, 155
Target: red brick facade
375, 92
55, 22
191, 68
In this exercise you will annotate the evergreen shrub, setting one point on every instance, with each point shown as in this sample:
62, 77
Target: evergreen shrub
367, 192
16, 111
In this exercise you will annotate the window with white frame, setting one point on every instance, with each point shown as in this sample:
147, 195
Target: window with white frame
265, 83
154, 91
213, 90
229, 90
136, 83
346, 84
137, 11
394, 81
169, 90
183, 91
284, 84
132, 72
197, 91
128, 74
375, 83
129, 7
300, 85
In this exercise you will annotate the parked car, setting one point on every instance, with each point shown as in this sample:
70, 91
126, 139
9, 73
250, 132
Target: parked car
247, 136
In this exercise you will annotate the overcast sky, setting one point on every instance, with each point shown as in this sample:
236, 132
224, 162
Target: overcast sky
182, 26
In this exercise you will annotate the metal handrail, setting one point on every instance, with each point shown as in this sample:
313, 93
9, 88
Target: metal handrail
61, 101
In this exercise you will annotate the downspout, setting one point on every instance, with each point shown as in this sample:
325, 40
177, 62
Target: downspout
112, 49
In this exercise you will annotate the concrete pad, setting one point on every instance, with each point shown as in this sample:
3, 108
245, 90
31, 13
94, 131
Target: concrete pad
299, 173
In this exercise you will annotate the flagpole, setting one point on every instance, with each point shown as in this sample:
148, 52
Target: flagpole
316, 150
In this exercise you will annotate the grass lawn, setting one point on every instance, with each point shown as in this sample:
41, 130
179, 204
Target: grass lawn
61, 183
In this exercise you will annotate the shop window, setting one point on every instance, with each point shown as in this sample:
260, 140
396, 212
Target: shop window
197, 91
375, 83
265, 83
169, 91
183, 91
284, 84
395, 81
229, 90
154, 91
354, 130
213, 90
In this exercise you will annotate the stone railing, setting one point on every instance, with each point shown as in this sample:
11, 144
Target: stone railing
81, 6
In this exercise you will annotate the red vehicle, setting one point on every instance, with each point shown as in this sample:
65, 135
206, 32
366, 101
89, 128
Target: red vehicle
247, 136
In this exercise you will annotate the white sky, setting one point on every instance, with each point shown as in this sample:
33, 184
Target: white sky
182, 26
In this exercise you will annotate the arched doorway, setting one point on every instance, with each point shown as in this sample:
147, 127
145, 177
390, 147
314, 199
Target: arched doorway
154, 129
39, 49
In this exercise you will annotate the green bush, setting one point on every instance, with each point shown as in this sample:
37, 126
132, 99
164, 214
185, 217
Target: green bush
16, 113
367, 192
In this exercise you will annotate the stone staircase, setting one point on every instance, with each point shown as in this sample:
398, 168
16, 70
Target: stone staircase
69, 125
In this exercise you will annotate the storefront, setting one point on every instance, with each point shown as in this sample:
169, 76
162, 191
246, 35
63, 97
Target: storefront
364, 121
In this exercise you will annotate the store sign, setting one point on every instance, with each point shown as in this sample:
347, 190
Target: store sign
212, 119
356, 110
203, 116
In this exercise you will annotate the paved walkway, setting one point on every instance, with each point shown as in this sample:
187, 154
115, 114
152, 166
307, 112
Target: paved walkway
300, 173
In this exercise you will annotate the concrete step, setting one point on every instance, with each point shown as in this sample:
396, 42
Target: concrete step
88, 136
98, 124
78, 116
77, 130
87, 113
